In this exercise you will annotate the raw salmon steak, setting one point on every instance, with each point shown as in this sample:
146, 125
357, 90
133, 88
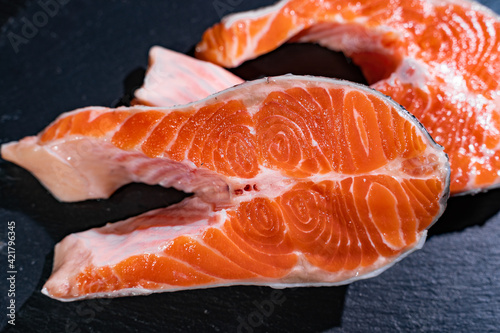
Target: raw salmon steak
174, 78
437, 58
297, 181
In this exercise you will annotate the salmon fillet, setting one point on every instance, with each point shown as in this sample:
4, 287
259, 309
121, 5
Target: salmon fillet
437, 58
173, 78
298, 181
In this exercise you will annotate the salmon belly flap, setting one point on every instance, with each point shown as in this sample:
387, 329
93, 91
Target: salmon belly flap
174, 78
439, 59
297, 181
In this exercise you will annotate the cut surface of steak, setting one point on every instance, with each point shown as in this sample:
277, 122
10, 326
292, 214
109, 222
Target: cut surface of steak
298, 181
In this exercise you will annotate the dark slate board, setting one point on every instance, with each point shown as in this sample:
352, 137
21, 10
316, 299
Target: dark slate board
95, 53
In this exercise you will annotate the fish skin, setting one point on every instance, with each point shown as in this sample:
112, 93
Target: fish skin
355, 196
439, 59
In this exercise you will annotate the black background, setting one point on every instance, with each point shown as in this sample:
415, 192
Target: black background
95, 53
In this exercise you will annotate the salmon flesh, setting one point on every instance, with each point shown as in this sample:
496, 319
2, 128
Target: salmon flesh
297, 181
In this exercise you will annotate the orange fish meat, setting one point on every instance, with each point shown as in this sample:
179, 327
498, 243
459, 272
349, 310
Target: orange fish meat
298, 181
439, 59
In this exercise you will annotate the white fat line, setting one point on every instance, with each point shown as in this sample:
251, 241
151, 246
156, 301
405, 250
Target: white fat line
219, 226
225, 78
326, 278
358, 119
467, 27
370, 217
257, 38
272, 183
95, 112
173, 140
202, 75
138, 146
336, 35
490, 27
197, 237
361, 224
107, 249
345, 215
234, 42
469, 4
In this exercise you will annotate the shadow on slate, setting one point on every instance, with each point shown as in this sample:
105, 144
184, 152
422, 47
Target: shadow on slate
223, 309
466, 211
301, 59
9, 8
131, 83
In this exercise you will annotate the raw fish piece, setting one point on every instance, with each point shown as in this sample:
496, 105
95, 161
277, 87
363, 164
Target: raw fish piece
298, 181
440, 59
174, 78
